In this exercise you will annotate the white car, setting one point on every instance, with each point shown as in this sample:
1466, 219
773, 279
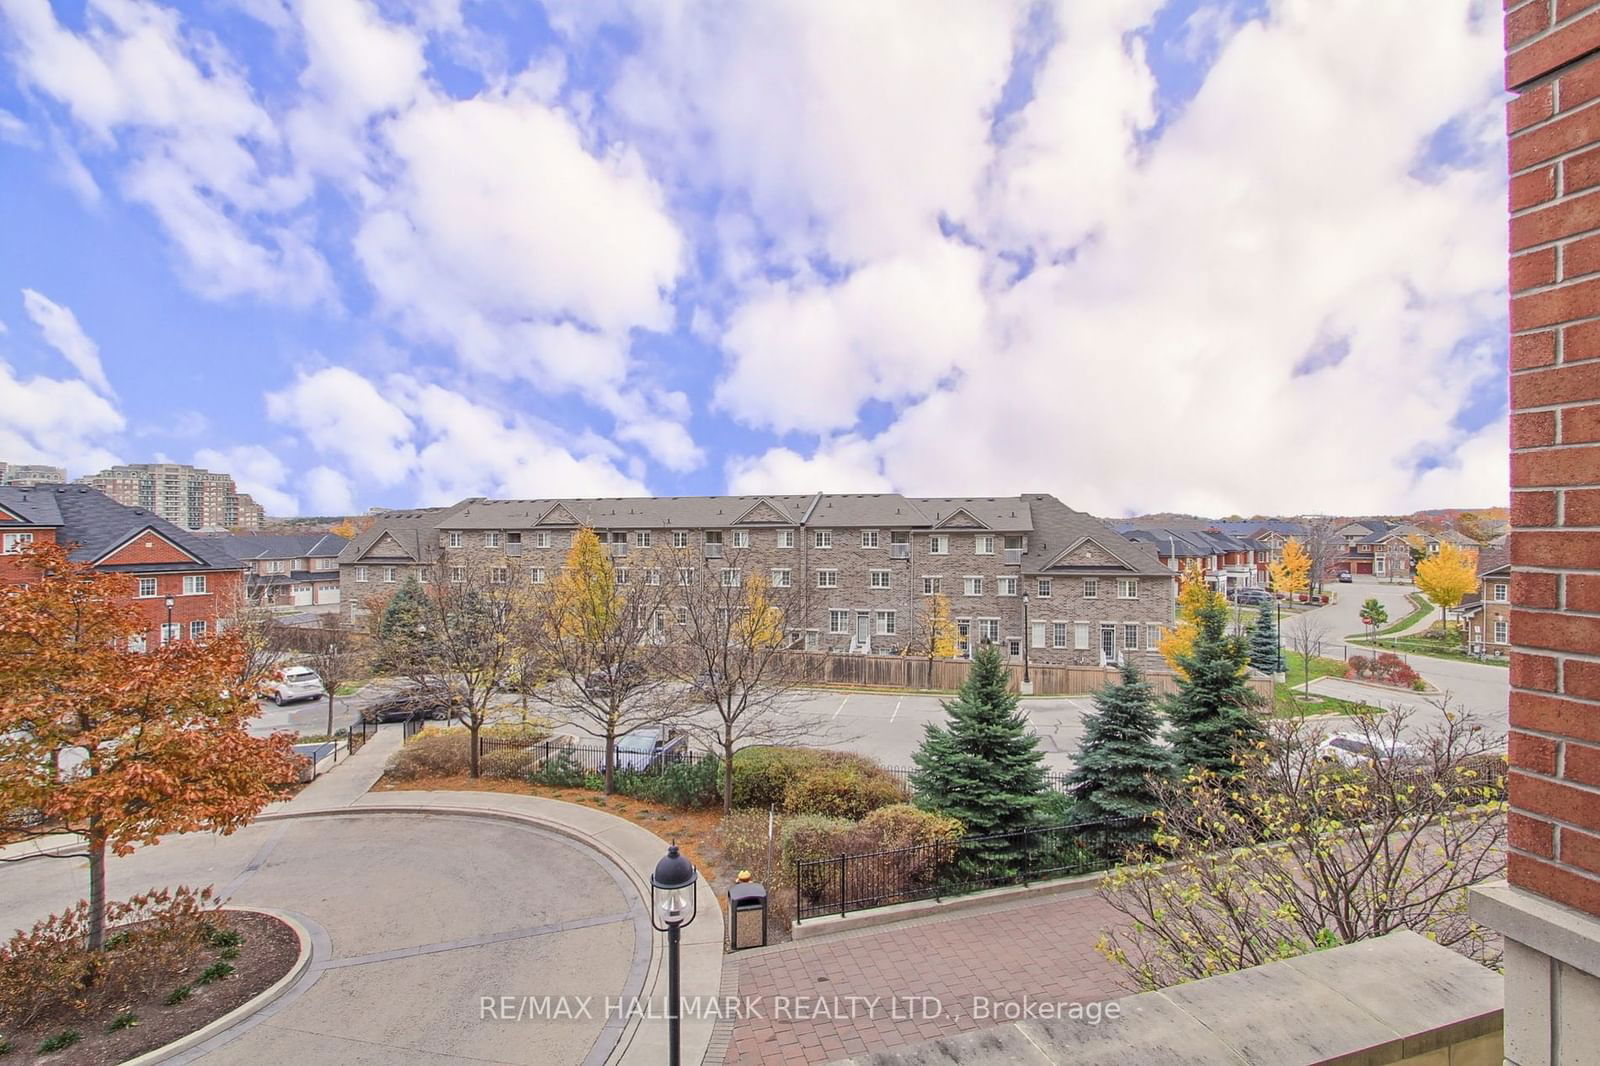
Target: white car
1354, 749
296, 683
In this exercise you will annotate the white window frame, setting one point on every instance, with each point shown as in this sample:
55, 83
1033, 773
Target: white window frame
785, 538
822, 539
1042, 589
361, 574
389, 575
972, 584
782, 577
989, 629
1127, 588
453, 539
652, 576
1500, 593
1058, 634
170, 631
274, 566
1502, 631
197, 629
883, 623
681, 614
1152, 636
880, 579
685, 576
149, 583
680, 538
1091, 588
138, 643
939, 544
838, 622
194, 584
1082, 636
16, 543
1039, 635
641, 538
458, 575
541, 538
869, 538
732, 577
491, 539
1133, 628
933, 584
1005, 585
983, 544
621, 574
741, 538
827, 579
536, 575
499, 575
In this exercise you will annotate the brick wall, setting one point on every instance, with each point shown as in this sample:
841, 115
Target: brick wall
11, 570
218, 601
1553, 66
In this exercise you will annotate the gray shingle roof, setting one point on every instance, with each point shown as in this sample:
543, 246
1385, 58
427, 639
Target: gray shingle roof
93, 523
1058, 527
413, 530
35, 506
252, 546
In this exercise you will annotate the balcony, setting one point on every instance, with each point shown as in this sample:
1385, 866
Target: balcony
713, 551
1013, 556
513, 549
899, 551
619, 549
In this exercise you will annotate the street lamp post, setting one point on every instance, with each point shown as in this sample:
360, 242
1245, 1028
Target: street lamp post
166, 634
1027, 639
672, 898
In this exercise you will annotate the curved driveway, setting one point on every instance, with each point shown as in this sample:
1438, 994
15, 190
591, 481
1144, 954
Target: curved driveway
416, 918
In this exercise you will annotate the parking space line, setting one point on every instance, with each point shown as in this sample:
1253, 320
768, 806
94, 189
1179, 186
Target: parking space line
842, 702
896, 711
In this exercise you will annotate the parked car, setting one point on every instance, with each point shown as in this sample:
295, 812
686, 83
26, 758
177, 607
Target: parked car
417, 701
295, 683
1250, 597
1354, 749
1345, 577
643, 747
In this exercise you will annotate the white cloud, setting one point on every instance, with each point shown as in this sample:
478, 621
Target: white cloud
848, 464
328, 492
62, 332
48, 420
254, 470
345, 415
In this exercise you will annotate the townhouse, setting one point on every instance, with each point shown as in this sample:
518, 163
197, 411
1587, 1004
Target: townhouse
1227, 561
1375, 547
185, 586
859, 571
287, 569
1486, 616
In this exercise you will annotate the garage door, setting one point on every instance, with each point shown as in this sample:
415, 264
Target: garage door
302, 595
328, 594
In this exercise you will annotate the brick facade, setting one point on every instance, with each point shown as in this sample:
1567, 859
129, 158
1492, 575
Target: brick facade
1553, 65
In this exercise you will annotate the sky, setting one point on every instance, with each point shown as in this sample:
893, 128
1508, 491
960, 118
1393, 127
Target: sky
1208, 256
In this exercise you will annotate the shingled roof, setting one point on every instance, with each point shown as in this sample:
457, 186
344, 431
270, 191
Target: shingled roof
92, 524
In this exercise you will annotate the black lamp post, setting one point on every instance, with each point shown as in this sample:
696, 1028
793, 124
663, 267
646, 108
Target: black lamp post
1027, 639
166, 634
672, 899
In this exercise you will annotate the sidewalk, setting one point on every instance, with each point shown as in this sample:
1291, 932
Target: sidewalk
349, 779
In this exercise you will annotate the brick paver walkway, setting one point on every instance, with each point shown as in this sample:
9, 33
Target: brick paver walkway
1037, 951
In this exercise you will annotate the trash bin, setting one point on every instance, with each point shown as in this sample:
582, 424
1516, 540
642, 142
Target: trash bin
747, 916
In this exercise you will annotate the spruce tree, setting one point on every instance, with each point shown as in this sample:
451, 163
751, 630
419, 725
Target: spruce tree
398, 635
1266, 653
1121, 757
1213, 712
983, 766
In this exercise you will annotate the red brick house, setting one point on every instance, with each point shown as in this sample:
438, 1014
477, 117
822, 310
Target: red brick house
202, 583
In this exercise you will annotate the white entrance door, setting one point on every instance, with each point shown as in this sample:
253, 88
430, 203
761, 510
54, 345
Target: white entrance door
1108, 644
863, 631
302, 595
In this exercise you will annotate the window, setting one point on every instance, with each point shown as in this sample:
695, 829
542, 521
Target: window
938, 544
1091, 588
1502, 631
932, 585
785, 538
972, 586
680, 538
514, 538
389, 573
1044, 588
147, 587
1015, 542
274, 566
1005, 586
713, 536
541, 539
325, 564
731, 578
685, 575
838, 621
1058, 634
622, 575
963, 636
869, 538
989, 629
1130, 636
1013, 647
499, 576
1152, 637
491, 539
1080, 636
885, 623
641, 539
453, 540
1038, 635
827, 579
194, 584
741, 538
424, 576
16, 542
652, 577
197, 629
878, 579
1378, 566
1498, 593
1127, 588
137, 643
682, 614
823, 538
170, 631
983, 544
537, 575
458, 574
780, 579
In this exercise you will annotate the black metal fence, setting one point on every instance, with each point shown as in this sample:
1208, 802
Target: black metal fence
592, 757
361, 731
864, 880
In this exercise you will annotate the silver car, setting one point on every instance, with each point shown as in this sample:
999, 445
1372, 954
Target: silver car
296, 683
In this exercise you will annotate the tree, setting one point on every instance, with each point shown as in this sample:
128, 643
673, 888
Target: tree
600, 634
1120, 759
1374, 616
338, 655
343, 528
1295, 852
1212, 712
120, 746
1473, 527
1290, 574
1306, 637
1321, 544
1446, 577
1417, 547
734, 657
401, 626
1194, 596
936, 632
1266, 653
983, 767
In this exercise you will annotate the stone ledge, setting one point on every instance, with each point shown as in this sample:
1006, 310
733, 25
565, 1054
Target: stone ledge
1548, 927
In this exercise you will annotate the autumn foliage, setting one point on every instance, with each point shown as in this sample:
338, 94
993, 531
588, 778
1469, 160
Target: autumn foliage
1447, 576
1291, 575
1194, 596
119, 746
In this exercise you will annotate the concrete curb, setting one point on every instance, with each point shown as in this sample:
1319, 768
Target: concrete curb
244, 1010
928, 908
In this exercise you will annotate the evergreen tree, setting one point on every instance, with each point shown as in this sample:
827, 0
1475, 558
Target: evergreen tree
1120, 756
398, 629
1213, 711
983, 766
1266, 652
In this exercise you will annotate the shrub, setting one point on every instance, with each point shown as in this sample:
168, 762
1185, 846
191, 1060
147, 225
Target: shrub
562, 770
126, 1020
843, 791
1386, 668
806, 837
680, 784
443, 753
900, 825
60, 1042
214, 973
531, 732
178, 995
761, 774
509, 764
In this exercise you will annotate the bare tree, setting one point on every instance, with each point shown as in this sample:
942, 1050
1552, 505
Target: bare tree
265, 639
1321, 542
1307, 636
598, 631
1300, 851
735, 655
338, 653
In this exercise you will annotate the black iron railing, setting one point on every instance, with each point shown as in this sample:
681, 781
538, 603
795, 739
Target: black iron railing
592, 757
864, 880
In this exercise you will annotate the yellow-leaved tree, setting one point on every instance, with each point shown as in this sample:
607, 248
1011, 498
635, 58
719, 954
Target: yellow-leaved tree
1447, 576
936, 632
1291, 575
1194, 596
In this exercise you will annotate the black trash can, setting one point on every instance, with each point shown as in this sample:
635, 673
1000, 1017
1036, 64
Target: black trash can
747, 916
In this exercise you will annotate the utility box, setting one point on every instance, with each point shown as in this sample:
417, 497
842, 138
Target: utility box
747, 916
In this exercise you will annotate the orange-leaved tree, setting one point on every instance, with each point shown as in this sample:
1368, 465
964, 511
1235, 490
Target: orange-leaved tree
1291, 574
1194, 596
118, 746
1447, 576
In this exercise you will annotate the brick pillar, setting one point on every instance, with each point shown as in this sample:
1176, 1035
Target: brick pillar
1548, 911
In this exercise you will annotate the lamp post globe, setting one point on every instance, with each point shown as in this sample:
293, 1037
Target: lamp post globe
673, 906
167, 633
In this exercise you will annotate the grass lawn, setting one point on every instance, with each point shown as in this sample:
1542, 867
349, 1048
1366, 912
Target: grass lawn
1291, 699
1421, 606
350, 688
1432, 645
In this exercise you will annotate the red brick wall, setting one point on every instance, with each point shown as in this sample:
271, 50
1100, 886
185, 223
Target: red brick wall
221, 596
1553, 65
10, 567
147, 548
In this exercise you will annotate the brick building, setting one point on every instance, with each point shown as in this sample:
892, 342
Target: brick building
862, 569
287, 569
1549, 912
1486, 615
1228, 562
186, 496
202, 582
26, 474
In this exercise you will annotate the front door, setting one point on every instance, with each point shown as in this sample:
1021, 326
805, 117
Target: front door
1108, 644
863, 633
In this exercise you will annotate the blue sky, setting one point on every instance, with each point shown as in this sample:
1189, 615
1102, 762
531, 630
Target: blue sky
1201, 256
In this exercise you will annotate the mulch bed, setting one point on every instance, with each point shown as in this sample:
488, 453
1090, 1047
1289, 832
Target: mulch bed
269, 950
